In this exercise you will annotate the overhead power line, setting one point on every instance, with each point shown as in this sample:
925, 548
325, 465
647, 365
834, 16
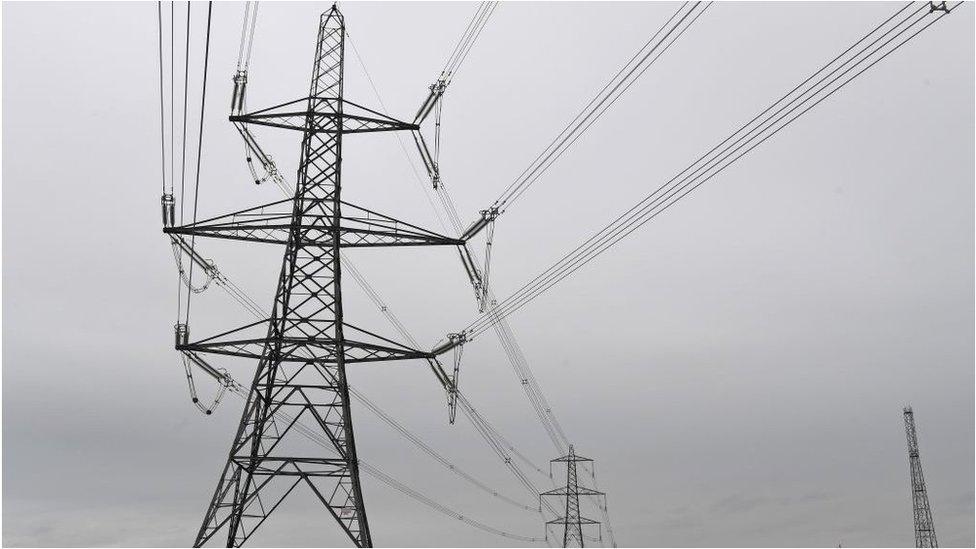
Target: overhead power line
172, 96
162, 108
622, 80
655, 46
537, 399
467, 40
186, 85
441, 508
880, 42
662, 198
405, 433
513, 350
196, 190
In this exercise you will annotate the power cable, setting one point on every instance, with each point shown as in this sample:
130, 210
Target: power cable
506, 336
186, 83
624, 78
455, 219
464, 45
437, 506
488, 12
655, 203
682, 184
464, 38
172, 94
497, 316
250, 40
657, 44
434, 454
203, 104
162, 109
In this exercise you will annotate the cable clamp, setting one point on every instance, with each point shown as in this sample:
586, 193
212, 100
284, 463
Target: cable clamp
440, 85
237, 96
182, 333
169, 209
490, 214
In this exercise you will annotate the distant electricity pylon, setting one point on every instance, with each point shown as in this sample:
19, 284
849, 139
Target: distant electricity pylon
571, 521
304, 346
924, 527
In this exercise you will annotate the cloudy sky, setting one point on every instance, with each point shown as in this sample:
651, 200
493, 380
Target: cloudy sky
737, 368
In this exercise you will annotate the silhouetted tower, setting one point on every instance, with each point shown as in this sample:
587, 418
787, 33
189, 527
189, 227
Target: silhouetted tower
924, 527
299, 387
571, 521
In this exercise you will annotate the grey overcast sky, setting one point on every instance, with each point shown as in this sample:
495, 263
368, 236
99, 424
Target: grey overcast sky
737, 368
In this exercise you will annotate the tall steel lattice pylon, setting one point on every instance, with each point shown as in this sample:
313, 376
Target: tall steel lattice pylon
924, 527
571, 521
300, 386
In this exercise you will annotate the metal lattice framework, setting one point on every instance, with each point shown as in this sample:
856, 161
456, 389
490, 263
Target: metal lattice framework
305, 330
924, 527
272, 223
302, 349
571, 521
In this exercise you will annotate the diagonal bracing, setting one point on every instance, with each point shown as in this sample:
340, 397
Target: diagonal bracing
306, 326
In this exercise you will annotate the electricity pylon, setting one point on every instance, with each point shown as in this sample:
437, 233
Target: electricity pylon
571, 521
924, 527
303, 348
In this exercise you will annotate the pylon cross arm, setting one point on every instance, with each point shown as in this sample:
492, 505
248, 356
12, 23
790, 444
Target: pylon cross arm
563, 491
582, 520
305, 341
323, 115
275, 223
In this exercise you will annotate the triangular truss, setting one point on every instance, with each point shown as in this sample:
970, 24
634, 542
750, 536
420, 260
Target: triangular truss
275, 223
570, 522
581, 490
307, 341
323, 115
